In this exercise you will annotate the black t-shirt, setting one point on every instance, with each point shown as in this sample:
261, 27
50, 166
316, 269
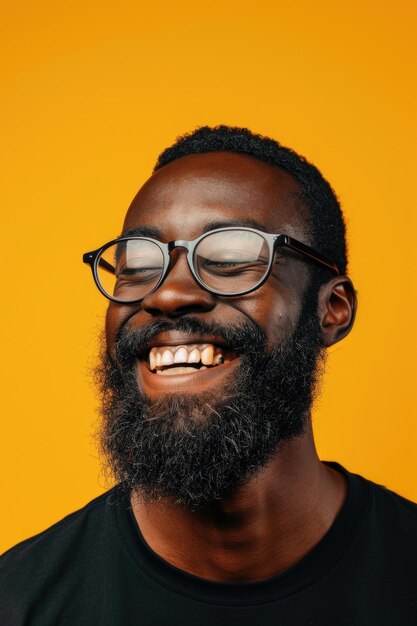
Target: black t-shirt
95, 568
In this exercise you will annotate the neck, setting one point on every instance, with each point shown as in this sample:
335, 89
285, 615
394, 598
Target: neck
261, 530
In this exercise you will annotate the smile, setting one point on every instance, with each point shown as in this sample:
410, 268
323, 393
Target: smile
184, 359
179, 363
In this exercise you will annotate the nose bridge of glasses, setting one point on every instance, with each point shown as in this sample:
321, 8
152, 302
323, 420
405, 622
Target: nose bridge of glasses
178, 243
185, 245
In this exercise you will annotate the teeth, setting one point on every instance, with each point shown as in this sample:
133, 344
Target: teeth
207, 355
194, 356
163, 356
177, 370
181, 355
167, 358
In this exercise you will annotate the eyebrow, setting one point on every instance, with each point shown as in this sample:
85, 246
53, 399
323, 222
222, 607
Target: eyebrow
245, 223
143, 231
156, 233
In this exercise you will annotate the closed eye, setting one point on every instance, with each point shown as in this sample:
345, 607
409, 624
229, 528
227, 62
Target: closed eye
131, 271
209, 263
232, 267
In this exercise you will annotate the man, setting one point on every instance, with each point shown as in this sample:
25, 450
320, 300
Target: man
225, 287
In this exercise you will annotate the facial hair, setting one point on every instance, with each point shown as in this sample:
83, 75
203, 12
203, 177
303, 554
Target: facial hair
198, 449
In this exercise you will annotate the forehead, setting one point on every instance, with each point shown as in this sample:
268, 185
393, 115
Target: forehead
183, 197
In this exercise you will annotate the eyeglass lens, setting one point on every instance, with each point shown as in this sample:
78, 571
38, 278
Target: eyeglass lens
227, 262
130, 269
231, 261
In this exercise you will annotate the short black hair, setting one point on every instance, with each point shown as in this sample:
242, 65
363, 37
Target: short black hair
326, 224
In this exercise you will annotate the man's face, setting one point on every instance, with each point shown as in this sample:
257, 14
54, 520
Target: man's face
181, 420
180, 201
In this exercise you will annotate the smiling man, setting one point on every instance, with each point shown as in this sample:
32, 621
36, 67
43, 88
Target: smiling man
225, 287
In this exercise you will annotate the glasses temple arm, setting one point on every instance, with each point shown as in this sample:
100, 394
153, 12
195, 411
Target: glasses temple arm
89, 258
107, 266
301, 248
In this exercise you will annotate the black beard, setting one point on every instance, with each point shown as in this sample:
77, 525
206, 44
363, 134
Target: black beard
198, 449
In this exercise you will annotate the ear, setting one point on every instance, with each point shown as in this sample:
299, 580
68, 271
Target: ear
337, 304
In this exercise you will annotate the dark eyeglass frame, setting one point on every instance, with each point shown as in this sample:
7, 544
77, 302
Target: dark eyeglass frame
274, 241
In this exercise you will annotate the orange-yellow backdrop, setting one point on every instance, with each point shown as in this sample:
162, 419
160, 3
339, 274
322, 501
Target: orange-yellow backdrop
92, 91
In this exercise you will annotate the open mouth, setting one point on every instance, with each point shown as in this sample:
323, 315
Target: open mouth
171, 360
176, 362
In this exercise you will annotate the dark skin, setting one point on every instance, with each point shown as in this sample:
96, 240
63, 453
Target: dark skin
275, 519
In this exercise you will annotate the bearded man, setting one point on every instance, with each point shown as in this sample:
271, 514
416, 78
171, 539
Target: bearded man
225, 287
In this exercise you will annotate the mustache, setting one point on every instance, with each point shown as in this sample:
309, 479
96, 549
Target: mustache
243, 340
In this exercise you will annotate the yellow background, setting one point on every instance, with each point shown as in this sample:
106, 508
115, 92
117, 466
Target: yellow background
91, 93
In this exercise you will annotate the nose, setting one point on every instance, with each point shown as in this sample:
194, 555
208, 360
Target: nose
179, 294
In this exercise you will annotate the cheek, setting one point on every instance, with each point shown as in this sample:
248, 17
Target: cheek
278, 321
275, 313
280, 303
116, 316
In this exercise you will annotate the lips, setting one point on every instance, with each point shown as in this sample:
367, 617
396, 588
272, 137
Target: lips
188, 358
177, 360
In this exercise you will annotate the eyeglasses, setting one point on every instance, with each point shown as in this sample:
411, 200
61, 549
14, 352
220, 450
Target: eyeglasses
226, 261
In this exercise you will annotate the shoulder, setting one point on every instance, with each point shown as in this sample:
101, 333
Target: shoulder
384, 519
384, 500
388, 529
38, 556
380, 497
64, 553
378, 547
396, 512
